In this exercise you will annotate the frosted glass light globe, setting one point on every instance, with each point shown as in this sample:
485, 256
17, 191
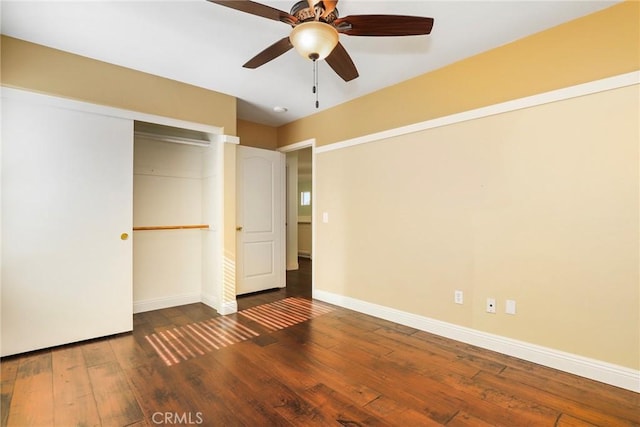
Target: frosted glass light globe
314, 39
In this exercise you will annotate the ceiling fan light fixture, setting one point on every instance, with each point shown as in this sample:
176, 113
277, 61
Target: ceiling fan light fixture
314, 39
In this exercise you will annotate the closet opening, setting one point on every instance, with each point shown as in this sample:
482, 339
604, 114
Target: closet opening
175, 238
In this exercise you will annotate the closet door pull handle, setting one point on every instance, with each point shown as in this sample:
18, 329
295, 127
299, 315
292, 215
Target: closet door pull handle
239, 228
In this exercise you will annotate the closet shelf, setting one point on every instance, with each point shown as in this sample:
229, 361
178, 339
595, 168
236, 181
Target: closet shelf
172, 227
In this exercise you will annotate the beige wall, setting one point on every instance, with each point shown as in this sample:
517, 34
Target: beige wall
257, 135
304, 238
596, 46
538, 205
41, 69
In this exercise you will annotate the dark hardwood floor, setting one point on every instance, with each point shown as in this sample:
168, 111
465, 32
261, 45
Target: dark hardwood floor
337, 368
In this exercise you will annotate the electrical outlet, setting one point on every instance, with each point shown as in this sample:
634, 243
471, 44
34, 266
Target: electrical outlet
491, 305
458, 297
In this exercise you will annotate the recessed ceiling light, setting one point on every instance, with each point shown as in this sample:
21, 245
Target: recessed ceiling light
280, 109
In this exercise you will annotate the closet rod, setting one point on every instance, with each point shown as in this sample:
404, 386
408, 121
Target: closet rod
172, 227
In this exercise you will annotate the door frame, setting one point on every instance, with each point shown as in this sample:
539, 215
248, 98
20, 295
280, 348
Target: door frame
308, 143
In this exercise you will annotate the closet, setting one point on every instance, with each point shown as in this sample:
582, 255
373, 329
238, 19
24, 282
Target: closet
97, 223
174, 194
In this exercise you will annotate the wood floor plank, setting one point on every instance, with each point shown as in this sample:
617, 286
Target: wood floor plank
128, 352
439, 399
445, 354
154, 391
8, 374
316, 372
623, 402
275, 394
74, 402
337, 409
391, 381
463, 419
247, 408
202, 395
521, 408
197, 312
386, 408
341, 333
569, 421
32, 400
97, 352
362, 318
297, 374
117, 405
582, 408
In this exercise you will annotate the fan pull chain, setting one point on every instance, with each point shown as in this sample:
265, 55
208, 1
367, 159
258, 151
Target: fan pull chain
315, 81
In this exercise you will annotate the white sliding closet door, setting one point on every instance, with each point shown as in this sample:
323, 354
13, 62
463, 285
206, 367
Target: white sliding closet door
66, 200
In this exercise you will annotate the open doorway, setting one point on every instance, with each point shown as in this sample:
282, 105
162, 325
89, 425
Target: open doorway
299, 221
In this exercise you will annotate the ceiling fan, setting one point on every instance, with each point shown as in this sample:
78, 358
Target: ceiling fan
316, 26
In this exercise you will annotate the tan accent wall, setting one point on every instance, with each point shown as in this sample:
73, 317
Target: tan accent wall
538, 205
41, 69
257, 135
596, 46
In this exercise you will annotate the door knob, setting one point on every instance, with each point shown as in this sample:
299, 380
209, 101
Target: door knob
124, 236
239, 228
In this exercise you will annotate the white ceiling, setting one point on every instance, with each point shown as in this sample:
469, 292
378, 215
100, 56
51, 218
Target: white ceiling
205, 44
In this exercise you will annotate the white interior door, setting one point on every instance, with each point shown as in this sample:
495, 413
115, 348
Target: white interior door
66, 200
260, 220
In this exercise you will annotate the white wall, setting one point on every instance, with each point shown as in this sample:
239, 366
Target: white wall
168, 190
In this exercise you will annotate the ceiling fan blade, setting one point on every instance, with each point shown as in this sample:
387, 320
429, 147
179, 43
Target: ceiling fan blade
342, 64
270, 53
383, 25
259, 10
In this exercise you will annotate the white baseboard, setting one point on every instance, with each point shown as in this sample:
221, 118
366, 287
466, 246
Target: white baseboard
210, 301
304, 254
173, 301
597, 370
229, 308
166, 302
